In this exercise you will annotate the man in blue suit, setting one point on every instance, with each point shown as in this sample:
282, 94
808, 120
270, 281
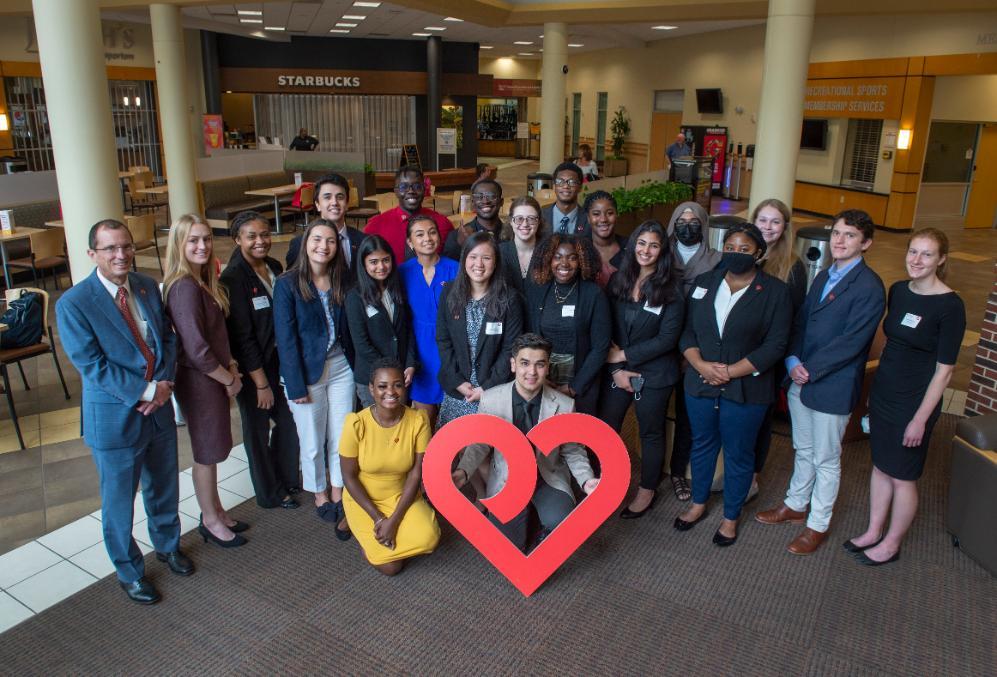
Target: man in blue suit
827, 355
115, 330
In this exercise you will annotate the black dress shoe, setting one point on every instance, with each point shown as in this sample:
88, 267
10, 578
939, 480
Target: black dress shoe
629, 514
681, 525
140, 591
294, 490
723, 541
178, 562
233, 542
863, 558
289, 504
238, 527
852, 548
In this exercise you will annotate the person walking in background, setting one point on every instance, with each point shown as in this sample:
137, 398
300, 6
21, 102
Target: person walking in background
924, 327
424, 278
207, 376
590, 170
378, 316
303, 141
249, 279
316, 358
410, 189
115, 331
565, 215
827, 355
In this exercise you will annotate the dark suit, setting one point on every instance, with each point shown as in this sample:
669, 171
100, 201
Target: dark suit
353, 235
127, 446
552, 221
494, 350
375, 335
453, 244
510, 264
273, 455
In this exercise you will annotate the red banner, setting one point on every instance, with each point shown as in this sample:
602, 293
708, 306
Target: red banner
213, 132
715, 144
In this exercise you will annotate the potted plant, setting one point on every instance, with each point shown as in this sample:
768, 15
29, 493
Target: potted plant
650, 200
619, 128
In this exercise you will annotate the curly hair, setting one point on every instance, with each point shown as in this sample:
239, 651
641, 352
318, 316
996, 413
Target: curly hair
589, 261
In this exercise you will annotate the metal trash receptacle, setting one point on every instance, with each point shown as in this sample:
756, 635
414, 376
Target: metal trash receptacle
537, 182
813, 244
719, 225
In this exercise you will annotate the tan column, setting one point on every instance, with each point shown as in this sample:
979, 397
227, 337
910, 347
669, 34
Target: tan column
555, 57
71, 50
171, 92
780, 112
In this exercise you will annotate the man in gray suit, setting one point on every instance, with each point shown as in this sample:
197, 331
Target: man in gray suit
525, 402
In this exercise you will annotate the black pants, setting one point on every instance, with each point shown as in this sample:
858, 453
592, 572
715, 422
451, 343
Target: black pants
552, 506
273, 456
682, 441
650, 409
588, 402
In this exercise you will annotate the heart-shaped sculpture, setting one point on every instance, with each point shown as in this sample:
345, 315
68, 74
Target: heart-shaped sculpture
527, 573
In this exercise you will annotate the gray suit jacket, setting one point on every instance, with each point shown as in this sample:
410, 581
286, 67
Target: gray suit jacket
554, 468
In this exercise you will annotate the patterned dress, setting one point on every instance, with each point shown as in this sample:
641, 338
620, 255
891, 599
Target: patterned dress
453, 408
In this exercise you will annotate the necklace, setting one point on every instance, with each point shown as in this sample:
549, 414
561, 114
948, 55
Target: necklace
561, 298
377, 419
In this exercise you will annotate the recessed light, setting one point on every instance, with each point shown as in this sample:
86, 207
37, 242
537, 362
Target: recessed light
228, 91
339, 30
575, 44
434, 28
526, 54
251, 21
522, 42
485, 47
664, 28
273, 28
541, 36
249, 12
366, 4
422, 35
340, 24
453, 18
354, 17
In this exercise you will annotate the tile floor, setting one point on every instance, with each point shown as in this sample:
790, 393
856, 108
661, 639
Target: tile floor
52, 567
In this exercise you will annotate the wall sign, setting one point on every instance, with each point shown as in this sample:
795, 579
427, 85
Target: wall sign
869, 98
323, 81
507, 88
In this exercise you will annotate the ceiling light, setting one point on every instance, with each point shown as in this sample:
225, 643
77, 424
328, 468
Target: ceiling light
434, 28
280, 28
664, 28
422, 35
340, 24
485, 47
453, 18
366, 4
522, 42
251, 21
339, 30
249, 12
354, 17
526, 54
138, 100
541, 36
575, 44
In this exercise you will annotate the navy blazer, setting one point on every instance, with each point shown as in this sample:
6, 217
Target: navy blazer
832, 338
353, 235
757, 328
375, 335
302, 335
100, 345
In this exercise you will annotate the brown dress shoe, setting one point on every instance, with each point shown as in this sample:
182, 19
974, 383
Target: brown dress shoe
807, 542
781, 514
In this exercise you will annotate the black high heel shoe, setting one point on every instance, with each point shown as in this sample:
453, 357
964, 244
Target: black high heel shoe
236, 528
233, 542
629, 514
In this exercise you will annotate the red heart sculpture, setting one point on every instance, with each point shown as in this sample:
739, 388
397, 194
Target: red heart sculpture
525, 572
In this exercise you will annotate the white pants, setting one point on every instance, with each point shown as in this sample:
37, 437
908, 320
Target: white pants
320, 424
817, 468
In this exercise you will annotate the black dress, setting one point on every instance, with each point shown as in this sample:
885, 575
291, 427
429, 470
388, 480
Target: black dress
921, 331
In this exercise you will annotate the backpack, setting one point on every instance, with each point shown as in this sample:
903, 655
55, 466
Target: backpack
24, 322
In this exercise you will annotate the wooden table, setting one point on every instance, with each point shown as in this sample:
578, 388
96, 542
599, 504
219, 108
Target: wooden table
276, 193
56, 223
19, 234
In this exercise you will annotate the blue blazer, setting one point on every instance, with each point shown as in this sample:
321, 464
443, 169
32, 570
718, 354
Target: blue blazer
832, 338
302, 335
102, 348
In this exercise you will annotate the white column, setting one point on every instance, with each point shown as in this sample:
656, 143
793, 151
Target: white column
780, 112
71, 50
171, 92
554, 79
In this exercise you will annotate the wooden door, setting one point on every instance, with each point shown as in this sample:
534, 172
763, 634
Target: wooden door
981, 212
664, 127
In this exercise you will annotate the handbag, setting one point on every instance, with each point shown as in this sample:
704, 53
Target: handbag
24, 322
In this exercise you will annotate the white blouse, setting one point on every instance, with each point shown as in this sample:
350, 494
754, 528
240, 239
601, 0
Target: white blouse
724, 303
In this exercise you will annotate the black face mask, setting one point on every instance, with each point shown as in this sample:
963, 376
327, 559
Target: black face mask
689, 232
738, 263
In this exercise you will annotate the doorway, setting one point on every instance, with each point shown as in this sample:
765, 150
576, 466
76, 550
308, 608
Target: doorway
981, 208
666, 123
948, 168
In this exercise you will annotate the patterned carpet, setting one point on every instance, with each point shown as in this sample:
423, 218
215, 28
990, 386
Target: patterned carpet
637, 598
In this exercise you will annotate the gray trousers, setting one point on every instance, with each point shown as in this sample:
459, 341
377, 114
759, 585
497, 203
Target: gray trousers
552, 506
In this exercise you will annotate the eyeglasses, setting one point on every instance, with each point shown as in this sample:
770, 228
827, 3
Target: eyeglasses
405, 187
485, 197
114, 249
692, 222
528, 220
574, 183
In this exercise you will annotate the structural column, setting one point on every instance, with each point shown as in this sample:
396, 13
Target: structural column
71, 50
554, 79
434, 97
171, 90
780, 113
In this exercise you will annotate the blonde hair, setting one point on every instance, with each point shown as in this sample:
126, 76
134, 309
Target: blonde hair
940, 239
178, 267
780, 258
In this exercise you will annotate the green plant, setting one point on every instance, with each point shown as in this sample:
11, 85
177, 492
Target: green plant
368, 168
650, 194
619, 128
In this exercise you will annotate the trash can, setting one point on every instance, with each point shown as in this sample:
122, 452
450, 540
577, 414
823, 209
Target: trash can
718, 229
813, 244
537, 182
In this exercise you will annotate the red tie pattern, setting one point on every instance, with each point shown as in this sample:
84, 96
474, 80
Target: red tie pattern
150, 359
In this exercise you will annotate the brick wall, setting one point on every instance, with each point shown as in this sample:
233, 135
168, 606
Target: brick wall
982, 396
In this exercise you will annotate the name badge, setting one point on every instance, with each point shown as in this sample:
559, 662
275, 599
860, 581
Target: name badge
911, 320
652, 309
699, 292
260, 302
371, 311
493, 328
567, 311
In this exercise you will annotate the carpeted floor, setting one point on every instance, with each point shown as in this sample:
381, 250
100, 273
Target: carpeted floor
637, 598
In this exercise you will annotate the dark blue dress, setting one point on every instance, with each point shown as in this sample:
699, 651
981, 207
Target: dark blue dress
424, 300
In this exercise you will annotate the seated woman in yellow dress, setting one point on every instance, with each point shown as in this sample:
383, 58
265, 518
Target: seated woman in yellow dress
381, 456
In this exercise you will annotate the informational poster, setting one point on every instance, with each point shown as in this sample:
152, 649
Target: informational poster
213, 131
522, 130
446, 141
715, 145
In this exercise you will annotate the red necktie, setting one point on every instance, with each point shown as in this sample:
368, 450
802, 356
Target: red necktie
150, 359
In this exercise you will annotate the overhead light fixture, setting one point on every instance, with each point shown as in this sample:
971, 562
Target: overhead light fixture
280, 28
251, 21
522, 42
354, 17
366, 4
663, 28
422, 35
124, 100
249, 12
453, 18
575, 44
228, 91
903, 139
4, 123
485, 47
434, 28
541, 36
526, 54
345, 25
138, 101
339, 30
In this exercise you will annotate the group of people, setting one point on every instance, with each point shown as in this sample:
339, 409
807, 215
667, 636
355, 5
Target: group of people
344, 365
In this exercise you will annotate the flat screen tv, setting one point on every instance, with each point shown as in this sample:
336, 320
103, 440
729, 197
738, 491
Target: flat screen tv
814, 135
710, 101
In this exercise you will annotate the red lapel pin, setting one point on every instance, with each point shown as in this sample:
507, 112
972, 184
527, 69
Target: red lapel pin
830, 296
758, 287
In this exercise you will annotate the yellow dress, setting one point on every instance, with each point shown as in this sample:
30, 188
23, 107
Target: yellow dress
385, 456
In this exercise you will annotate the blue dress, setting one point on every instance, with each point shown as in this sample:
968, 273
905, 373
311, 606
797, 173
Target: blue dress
424, 300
